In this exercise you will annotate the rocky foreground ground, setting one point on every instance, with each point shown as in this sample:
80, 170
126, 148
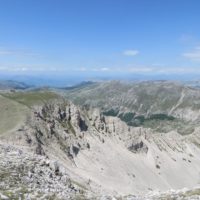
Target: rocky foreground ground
25, 175
28, 176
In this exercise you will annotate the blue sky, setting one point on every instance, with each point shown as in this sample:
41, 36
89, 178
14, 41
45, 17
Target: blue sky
100, 36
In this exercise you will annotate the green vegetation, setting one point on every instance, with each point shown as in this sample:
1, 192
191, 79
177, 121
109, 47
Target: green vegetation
32, 98
15, 106
12, 113
160, 122
186, 129
196, 143
161, 116
21, 193
82, 189
127, 117
111, 112
132, 120
79, 185
181, 126
156, 98
71, 128
190, 193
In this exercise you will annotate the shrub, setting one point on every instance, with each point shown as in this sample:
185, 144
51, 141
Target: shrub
111, 112
161, 116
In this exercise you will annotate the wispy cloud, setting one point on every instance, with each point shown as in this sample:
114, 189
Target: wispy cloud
26, 68
140, 70
18, 52
131, 52
164, 70
151, 70
7, 68
194, 55
104, 69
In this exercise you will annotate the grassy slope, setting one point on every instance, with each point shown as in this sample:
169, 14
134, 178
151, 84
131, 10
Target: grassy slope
12, 113
32, 98
15, 106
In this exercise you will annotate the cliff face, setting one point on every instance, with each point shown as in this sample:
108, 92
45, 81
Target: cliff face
57, 124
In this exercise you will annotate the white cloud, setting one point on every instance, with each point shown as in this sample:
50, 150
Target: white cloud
193, 55
104, 69
12, 68
10, 52
131, 52
26, 68
147, 70
99, 69
141, 69
164, 70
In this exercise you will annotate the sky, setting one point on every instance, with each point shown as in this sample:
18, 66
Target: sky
100, 37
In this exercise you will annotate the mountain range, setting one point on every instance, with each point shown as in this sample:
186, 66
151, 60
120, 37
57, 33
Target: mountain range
101, 140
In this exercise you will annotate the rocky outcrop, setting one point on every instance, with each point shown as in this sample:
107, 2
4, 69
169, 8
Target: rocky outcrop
138, 147
80, 122
60, 123
25, 175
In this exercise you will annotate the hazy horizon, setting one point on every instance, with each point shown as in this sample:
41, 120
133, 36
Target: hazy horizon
99, 39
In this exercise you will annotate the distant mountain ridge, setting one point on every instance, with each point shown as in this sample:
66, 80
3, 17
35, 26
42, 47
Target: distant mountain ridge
10, 84
142, 103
